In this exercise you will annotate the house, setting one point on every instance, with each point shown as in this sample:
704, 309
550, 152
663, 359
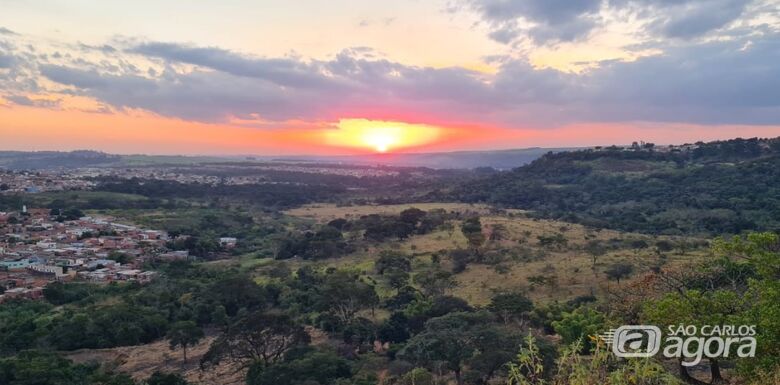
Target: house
174, 255
102, 262
56, 272
228, 242
20, 264
125, 275
98, 275
46, 245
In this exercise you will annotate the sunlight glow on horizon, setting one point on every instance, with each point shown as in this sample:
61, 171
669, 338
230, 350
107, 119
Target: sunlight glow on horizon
138, 132
381, 136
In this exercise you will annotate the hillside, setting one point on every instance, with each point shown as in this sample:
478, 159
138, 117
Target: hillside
707, 188
18, 160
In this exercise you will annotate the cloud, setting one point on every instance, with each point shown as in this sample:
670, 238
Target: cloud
6, 31
199, 95
383, 22
562, 20
552, 21
695, 18
547, 11
729, 81
710, 83
6, 61
26, 101
287, 72
105, 48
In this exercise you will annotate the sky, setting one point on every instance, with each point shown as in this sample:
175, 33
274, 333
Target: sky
276, 77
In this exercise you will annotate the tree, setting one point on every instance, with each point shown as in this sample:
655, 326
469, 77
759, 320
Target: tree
394, 329
739, 287
664, 245
236, 291
509, 306
417, 376
184, 334
452, 339
160, 378
498, 232
72, 214
338, 223
619, 271
32, 367
37, 368
472, 230
595, 249
695, 307
578, 325
557, 241
219, 316
314, 368
343, 294
397, 278
460, 259
435, 282
412, 215
390, 259
443, 340
256, 338
122, 258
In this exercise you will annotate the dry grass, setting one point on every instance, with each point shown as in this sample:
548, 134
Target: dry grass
571, 269
143, 360
327, 212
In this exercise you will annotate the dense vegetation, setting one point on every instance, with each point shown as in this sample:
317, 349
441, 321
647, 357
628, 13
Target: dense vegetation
429, 334
714, 188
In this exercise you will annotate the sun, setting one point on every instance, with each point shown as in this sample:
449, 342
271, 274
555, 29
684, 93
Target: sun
381, 136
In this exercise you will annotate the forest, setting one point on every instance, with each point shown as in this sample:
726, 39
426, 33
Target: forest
716, 188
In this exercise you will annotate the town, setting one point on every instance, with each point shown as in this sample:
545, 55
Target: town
15, 182
40, 246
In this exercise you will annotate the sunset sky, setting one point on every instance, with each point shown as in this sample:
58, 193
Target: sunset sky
337, 76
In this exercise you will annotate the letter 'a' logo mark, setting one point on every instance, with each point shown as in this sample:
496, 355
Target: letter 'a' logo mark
631, 341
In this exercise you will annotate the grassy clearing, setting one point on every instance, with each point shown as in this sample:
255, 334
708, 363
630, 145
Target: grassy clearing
568, 270
327, 212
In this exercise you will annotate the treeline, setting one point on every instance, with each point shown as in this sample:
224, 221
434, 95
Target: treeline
279, 195
717, 188
329, 240
82, 200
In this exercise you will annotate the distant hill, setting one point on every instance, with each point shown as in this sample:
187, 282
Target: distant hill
706, 188
501, 159
18, 160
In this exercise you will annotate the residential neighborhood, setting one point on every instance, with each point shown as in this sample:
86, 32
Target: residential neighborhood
15, 182
39, 246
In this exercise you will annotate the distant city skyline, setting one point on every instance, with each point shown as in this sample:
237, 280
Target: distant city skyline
350, 77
